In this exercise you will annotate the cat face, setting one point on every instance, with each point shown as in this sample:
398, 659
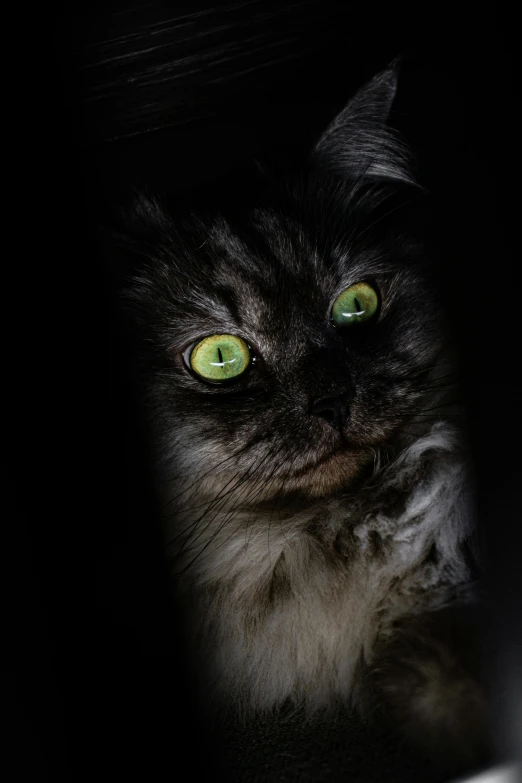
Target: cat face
284, 346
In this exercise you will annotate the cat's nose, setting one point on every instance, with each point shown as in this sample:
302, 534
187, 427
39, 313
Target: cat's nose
334, 410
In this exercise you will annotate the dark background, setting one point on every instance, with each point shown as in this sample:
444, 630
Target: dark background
181, 99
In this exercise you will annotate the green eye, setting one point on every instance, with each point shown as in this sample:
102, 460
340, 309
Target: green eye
355, 305
219, 357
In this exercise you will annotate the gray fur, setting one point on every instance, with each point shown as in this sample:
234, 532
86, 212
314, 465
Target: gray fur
288, 604
304, 554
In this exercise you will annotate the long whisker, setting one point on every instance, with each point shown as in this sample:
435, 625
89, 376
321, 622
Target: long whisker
215, 506
205, 473
263, 483
221, 500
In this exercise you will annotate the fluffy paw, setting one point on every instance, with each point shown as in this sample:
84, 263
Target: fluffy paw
422, 678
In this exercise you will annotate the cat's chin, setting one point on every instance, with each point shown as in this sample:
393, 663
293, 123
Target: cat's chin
348, 468
329, 475
338, 471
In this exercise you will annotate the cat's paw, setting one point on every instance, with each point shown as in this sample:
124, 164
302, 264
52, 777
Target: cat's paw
420, 678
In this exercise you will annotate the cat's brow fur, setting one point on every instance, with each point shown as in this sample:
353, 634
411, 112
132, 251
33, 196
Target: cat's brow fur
298, 549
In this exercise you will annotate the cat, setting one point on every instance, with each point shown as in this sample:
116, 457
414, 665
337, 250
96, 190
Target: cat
299, 386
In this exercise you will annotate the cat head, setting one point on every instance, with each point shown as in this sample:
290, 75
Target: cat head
284, 345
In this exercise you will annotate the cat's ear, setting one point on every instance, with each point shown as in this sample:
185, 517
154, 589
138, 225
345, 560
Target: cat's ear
360, 143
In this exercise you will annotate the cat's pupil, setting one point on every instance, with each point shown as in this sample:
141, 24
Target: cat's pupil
358, 307
220, 355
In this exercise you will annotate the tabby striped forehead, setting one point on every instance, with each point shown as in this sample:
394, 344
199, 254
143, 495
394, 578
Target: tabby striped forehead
256, 281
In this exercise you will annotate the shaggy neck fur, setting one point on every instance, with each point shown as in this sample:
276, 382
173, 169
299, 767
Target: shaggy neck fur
286, 606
